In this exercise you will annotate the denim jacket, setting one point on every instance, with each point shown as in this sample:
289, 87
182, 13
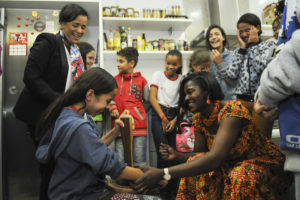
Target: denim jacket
227, 85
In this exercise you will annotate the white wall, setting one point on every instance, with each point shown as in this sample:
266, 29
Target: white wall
198, 11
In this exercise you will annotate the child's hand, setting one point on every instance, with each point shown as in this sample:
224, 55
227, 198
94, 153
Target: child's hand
164, 124
127, 114
114, 113
216, 57
241, 41
253, 36
171, 125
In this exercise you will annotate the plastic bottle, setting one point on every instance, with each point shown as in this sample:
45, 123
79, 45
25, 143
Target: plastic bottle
129, 38
117, 40
143, 41
110, 40
139, 43
123, 38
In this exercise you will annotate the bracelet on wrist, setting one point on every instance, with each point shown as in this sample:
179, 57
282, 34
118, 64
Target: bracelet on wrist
163, 117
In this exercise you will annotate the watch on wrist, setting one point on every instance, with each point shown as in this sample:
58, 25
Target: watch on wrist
167, 175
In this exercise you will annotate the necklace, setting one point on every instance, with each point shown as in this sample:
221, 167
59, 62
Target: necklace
213, 116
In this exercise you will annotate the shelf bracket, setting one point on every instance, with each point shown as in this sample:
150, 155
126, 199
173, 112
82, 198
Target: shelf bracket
170, 30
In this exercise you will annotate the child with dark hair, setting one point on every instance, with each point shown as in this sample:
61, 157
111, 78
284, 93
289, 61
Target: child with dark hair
247, 65
133, 92
88, 54
216, 42
200, 61
71, 144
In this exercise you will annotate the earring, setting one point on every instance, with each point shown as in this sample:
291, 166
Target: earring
208, 101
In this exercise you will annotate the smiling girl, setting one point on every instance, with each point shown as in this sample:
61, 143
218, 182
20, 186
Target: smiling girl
164, 98
216, 42
71, 143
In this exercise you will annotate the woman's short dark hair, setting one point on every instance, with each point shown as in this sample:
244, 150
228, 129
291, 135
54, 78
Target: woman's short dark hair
70, 12
206, 81
177, 53
96, 79
84, 49
252, 19
208, 32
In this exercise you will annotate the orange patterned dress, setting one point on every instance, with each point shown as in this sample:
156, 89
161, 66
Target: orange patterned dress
252, 170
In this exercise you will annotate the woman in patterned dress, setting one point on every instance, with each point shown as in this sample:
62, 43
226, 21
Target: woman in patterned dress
231, 159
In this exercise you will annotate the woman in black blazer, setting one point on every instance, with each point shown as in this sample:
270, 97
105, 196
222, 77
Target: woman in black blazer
53, 63
48, 70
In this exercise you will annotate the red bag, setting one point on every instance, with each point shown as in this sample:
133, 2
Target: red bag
185, 140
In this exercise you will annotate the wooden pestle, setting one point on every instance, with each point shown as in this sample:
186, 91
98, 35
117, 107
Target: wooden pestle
127, 139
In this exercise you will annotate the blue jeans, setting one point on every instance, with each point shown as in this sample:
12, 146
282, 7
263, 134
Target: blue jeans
169, 192
160, 137
139, 150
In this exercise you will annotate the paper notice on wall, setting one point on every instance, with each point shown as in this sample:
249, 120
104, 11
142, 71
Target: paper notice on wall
17, 44
49, 26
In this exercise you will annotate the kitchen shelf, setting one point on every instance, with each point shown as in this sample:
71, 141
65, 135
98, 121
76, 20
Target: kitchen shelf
155, 24
146, 54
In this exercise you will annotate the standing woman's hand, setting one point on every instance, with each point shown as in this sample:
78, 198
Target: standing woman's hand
216, 57
241, 41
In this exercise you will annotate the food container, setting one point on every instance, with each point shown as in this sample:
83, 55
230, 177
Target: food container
161, 45
155, 45
134, 43
171, 44
129, 12
114, 11
149, 46
106, 12
121, 12
136, 14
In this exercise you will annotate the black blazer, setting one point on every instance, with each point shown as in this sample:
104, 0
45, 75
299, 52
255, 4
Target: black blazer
45, 78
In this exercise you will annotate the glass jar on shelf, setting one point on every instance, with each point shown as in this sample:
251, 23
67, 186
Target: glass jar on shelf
136, 14
129, 12
106, 12
171, 44
121, 12
114, 11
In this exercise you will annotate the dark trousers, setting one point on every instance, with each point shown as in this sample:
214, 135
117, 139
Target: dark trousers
170, 191
45, 169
